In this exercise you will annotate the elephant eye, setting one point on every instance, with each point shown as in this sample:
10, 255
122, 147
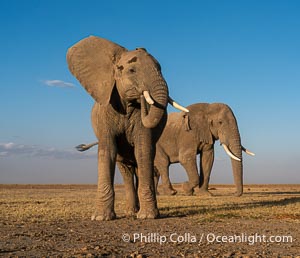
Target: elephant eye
132, 70
132, 60
120, 67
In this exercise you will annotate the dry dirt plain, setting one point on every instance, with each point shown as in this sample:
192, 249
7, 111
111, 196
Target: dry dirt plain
54, 221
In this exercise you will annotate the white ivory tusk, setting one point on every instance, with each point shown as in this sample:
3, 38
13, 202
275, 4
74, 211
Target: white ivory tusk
247, 151
148, 97
230, 153
176, 105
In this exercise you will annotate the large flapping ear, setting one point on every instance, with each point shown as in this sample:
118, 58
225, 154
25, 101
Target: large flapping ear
198, 123
205, 134
91, 61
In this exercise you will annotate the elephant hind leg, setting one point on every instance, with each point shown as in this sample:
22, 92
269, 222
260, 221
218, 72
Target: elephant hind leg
167, 188
162, 169
156, 180
132, 203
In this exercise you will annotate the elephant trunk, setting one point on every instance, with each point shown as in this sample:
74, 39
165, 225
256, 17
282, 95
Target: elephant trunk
237, 166
159, 93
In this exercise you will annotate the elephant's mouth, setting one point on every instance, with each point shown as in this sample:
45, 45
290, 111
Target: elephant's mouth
132, 94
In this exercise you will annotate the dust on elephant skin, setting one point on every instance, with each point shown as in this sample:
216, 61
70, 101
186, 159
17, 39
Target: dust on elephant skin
188, 134
131, 97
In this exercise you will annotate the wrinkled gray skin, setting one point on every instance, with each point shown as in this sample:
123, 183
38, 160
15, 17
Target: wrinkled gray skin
184, 136
121, 118
129, 172
188, 134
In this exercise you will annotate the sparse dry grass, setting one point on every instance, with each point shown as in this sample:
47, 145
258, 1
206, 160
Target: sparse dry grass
61, 202
32, 205
269, 201
55, 221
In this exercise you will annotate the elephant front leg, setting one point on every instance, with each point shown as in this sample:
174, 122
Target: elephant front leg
188, 161
128, 173
106, 171
146, 192
206, 163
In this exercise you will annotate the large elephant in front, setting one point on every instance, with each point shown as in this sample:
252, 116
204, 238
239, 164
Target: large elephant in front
131, 97
188, 134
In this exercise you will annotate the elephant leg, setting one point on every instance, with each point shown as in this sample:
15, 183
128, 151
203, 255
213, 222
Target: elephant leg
188, 161
165, 179
128, 172
144, 155
161, 166
206, 163
106, 171
156, 180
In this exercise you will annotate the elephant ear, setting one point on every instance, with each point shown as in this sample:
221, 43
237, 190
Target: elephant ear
91, 61
204, 132
198, 122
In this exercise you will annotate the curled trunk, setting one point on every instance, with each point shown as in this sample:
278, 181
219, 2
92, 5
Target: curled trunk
159, 93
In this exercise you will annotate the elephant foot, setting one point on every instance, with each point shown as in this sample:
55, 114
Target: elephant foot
131, 212
148, 213
169, 190
187, 189
188, 193
238, 194
202, 192
104, 216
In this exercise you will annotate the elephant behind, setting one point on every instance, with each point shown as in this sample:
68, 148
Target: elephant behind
188, 134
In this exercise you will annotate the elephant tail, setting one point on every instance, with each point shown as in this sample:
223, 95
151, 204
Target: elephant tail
84, 147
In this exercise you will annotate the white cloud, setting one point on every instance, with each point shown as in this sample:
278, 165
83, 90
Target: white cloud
13, 149
8, 145
59, 84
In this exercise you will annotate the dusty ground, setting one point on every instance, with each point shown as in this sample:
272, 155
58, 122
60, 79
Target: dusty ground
54, 221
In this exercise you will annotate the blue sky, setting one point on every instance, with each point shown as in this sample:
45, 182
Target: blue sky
243, 53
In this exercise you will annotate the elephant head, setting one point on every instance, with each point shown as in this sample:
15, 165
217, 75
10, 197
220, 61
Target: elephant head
101, 65
217, 122
223, 127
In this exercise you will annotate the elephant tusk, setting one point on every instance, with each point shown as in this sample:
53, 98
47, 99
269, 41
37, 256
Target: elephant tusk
230, 153
176, 105
148, 98
247, 151
84, 147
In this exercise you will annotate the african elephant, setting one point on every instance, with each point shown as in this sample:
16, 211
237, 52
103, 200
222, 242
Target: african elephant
131, 97
188, 134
